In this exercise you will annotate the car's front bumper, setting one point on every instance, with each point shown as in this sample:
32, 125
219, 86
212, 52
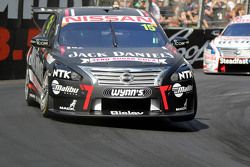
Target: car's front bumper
101, 114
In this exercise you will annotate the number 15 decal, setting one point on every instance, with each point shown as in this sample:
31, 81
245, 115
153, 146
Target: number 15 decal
149, 27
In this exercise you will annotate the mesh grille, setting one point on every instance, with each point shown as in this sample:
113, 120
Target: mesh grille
145, 78
126, 76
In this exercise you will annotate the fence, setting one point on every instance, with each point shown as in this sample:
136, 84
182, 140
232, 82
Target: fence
189, 13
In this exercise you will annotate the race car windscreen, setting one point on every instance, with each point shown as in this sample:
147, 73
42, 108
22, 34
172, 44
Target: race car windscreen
237, 30
103, 34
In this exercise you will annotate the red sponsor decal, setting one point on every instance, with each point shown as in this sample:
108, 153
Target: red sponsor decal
241, 20
163, 90
104, 18
89, 89
32, 87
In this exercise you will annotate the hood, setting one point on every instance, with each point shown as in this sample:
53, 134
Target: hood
232, 42
120, 57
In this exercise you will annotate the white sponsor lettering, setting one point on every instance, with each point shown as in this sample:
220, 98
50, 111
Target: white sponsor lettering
57, 89
148, 55
182, 108
42, 42
71, 106
179, 90
120, 92
125, 113
128, 92
61, 73
185, 75
234, 61
87, 55
122, 54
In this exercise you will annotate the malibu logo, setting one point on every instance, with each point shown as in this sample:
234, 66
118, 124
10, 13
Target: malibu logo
179, 90
126, 92
57, 89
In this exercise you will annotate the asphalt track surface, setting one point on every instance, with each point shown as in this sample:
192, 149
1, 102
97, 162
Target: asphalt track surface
218, 137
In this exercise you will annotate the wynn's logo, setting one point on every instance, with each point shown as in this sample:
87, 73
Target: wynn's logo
126, 92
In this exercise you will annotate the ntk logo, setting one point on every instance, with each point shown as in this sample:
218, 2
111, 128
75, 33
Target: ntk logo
61, 74
185, 75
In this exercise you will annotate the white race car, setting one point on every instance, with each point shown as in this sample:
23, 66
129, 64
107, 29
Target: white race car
230, 51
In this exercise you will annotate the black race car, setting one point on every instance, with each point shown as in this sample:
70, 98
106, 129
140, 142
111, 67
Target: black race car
105, 61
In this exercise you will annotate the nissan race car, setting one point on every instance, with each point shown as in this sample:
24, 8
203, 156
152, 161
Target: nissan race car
104, 61
230, 51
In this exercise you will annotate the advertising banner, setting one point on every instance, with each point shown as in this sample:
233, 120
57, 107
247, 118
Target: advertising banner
17, 29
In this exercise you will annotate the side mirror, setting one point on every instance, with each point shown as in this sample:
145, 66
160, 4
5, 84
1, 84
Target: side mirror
215, 33
39, 41
179, 42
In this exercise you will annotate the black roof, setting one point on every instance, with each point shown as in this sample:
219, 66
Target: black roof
80, 11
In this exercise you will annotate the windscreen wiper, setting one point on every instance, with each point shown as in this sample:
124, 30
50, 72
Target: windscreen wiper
114, 39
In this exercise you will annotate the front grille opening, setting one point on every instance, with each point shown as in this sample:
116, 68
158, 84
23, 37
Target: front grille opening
126, 104
145, 78
237, 68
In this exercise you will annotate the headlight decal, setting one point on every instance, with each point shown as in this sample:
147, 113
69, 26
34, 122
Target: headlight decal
74, 76
210, 49
63, 72
184, 72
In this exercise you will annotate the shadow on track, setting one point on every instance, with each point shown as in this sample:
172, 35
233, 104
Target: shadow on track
155, 124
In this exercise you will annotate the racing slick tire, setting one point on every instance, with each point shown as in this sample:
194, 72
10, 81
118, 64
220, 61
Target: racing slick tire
27, 91
44, 103
188, 117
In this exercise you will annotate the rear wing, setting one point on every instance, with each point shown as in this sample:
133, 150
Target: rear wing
43, 11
